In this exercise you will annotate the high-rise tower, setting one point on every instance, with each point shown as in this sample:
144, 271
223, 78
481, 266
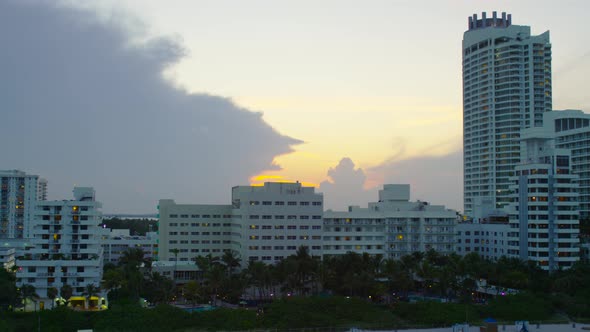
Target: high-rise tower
18, 193
506, 87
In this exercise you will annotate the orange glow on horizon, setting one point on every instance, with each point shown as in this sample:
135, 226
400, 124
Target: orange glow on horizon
259, 180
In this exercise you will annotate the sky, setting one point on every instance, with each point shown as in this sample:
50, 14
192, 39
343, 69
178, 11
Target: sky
146, 99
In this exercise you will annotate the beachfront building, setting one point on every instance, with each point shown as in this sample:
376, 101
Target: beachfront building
571, 129
190, 230
544, 215
506, 87
393, 227
272, 221
117, 241
487, 237
264, 223
66, 248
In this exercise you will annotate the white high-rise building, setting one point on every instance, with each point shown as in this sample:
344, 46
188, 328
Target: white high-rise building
392, 227
544, 215
271, 222
571, 129
506, 87
18, 193
67, 245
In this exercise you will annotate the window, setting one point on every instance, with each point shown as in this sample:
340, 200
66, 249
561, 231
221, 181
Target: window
303, 217
279, 203
291, 203
316, 203
266, 203
173, 216
304, 203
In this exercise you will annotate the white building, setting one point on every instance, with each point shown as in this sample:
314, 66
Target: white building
544, 217
571, 129
67, 245
488, 238
18, 193
271, 221
192, 229
392, 227
266, 223
7, 258
116, 242
506, 87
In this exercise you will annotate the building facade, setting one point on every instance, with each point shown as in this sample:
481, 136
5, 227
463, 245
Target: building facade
488, 238
571, 129
66, 242
186, 231
272, 221
506, 87
264, 223
544, 215
393, 227
18, 193
115, 243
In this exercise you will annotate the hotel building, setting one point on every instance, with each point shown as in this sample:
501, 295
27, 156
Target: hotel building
66, 245
393, 227
506, 87
544, 215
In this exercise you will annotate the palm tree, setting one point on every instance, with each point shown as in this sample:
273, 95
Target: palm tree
29, 293
231, 260
66, 292
160, 289
89, 291
112, 279
133, 279
175, 251
52, 294
192, 292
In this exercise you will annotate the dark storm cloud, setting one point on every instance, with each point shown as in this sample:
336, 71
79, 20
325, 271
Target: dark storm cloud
82, 105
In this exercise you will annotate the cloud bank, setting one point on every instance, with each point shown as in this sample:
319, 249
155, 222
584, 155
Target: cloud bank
83, 105
435, 179
346, 187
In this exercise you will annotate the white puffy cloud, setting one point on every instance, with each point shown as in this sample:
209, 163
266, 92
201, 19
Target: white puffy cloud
346, 186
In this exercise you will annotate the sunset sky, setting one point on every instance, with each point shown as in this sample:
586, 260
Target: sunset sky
372, 89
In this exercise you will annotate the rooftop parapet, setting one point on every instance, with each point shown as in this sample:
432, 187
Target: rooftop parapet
485, 22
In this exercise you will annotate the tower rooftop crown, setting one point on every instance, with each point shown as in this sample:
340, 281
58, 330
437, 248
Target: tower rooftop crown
484, 22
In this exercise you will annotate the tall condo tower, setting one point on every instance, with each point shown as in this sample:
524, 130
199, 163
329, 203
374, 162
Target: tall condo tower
506, 87
18, 193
